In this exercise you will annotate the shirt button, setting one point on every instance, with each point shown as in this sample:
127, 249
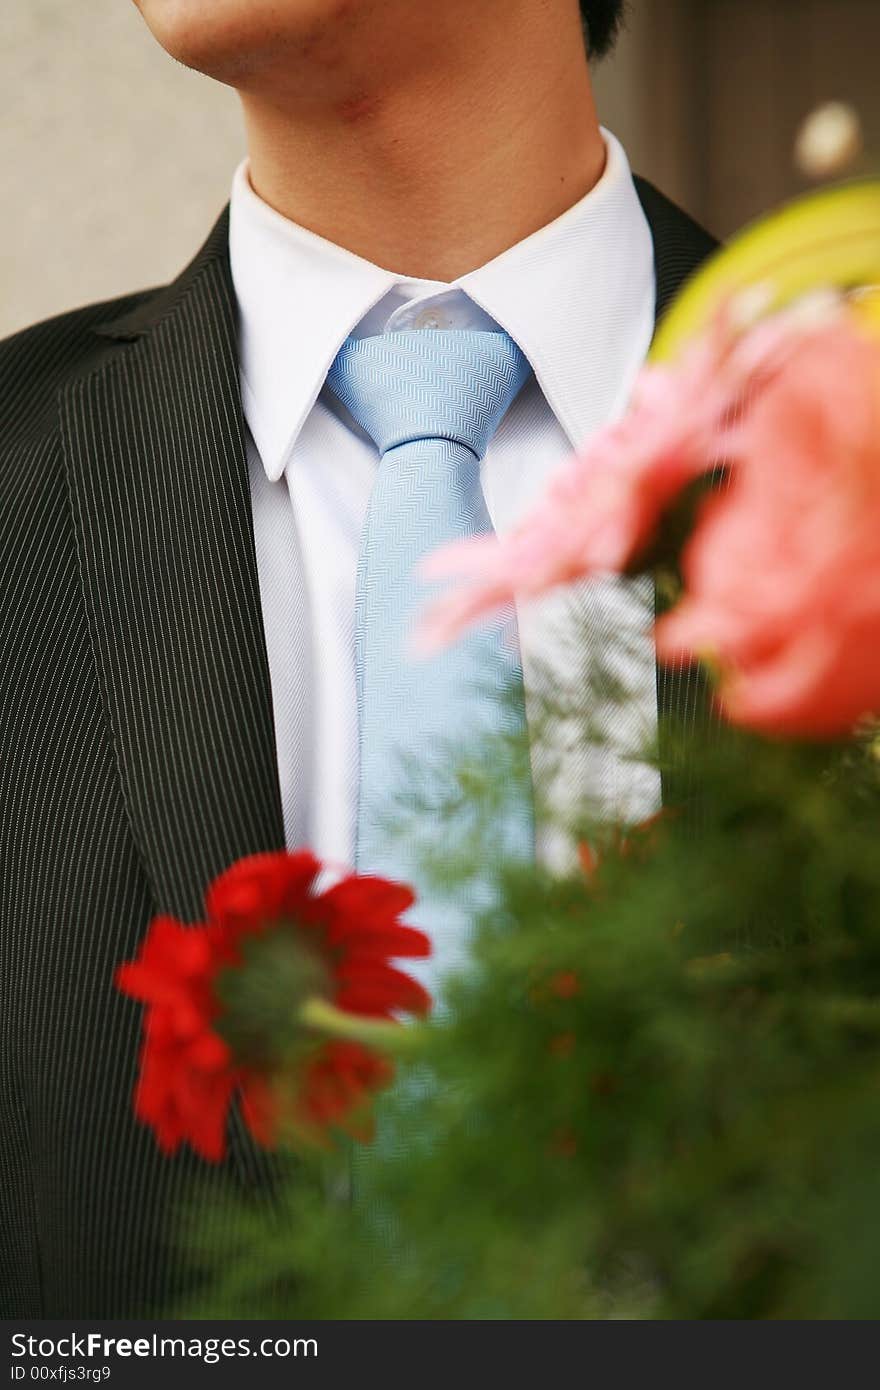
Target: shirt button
429, 318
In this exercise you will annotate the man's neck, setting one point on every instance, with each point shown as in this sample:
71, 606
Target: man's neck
434, 168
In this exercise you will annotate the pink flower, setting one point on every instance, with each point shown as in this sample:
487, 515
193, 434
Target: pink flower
782, 575
603, 509
782, 571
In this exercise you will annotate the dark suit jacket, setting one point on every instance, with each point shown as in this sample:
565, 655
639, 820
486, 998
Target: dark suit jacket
137, 752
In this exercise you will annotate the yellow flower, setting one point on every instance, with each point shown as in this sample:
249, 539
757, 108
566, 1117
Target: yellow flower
825, 241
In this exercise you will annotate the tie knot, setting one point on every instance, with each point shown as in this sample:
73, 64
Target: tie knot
429, 384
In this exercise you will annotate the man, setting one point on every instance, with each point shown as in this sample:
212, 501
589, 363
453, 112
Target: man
187, 476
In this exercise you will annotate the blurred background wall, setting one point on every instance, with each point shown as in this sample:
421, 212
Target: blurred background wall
707, 95
114, 160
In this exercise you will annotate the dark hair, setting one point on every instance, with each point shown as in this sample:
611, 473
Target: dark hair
602, 20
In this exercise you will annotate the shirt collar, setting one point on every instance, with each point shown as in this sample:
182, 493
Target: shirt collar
577, 296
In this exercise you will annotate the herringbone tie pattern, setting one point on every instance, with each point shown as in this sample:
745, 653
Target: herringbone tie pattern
431, 402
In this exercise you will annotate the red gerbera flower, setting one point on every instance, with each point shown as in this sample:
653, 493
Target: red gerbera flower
240, 1003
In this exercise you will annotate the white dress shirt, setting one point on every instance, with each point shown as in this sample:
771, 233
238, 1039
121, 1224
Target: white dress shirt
578, 298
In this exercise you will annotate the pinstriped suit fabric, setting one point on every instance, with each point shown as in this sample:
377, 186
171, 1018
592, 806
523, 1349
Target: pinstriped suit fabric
136, 751
117, 741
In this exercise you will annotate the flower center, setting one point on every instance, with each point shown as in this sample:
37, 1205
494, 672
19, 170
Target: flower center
261, 998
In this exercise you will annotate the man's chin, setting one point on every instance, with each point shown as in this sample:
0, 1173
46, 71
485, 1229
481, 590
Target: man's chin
230, 40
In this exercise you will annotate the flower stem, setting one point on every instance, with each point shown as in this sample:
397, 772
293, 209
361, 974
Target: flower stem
339, 1023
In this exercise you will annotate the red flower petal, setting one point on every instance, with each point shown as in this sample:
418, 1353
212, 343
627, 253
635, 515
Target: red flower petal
261, 888
382, 942
339, 1078
359, 898
171, 956
376, 989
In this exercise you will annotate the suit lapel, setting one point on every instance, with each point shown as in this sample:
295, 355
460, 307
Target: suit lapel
680, 244
157, 470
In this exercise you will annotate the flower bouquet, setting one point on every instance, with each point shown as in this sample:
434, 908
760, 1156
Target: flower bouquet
652, 1092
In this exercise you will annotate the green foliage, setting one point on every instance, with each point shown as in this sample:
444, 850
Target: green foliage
654, 1094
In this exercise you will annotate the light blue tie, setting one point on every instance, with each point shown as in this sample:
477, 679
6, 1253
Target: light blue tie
430, 400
